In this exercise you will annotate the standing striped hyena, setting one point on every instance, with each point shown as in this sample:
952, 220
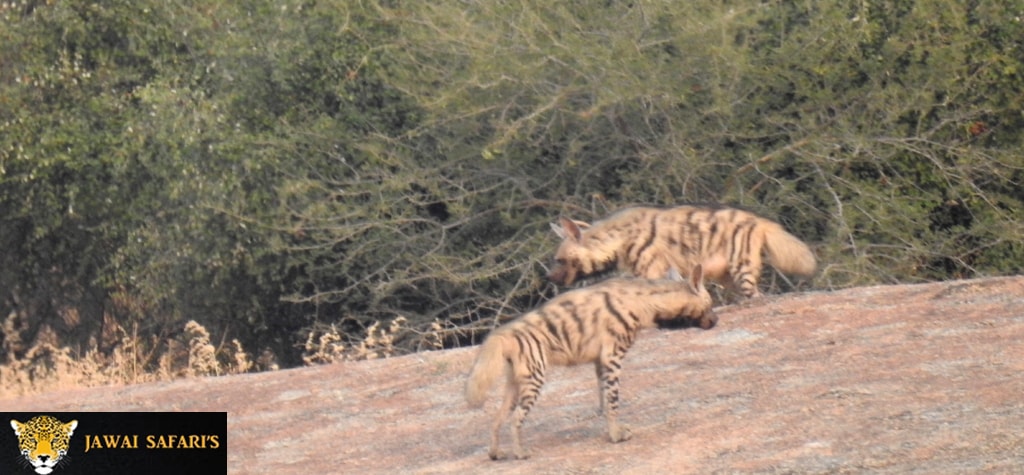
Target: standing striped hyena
647, 241
595, 324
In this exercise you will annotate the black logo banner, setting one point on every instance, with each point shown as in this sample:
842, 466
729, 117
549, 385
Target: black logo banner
151, 443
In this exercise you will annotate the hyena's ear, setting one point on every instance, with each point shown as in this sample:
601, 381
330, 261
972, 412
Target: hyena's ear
558, 231
697, 279
673, 275
570, 229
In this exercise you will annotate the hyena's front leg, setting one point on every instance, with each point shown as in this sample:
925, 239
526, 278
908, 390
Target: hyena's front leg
608, 374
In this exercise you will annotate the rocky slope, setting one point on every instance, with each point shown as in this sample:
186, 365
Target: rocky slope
893, 379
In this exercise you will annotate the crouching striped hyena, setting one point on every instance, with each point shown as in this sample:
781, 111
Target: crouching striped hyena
647, 241
595, 324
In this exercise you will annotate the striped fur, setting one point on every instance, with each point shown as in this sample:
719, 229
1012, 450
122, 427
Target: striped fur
595, 324
647, 241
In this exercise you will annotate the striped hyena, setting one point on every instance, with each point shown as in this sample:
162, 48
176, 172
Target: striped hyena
595, 324
647, 241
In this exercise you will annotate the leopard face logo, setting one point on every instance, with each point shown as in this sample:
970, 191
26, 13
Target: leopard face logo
43, 442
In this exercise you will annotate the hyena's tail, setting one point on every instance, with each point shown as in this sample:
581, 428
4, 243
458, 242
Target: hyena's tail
787, 253
490, 363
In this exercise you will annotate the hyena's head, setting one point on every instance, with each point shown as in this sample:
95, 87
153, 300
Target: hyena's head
699, 310
579, 255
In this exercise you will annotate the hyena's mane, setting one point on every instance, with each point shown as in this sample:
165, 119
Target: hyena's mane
706, 205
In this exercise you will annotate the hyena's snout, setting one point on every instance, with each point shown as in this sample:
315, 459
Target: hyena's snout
708, 319
559, 275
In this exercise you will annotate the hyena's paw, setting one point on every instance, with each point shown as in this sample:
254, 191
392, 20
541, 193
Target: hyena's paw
708, 321
620, 434
498, 455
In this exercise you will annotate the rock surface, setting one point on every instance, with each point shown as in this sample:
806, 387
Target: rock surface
891, 379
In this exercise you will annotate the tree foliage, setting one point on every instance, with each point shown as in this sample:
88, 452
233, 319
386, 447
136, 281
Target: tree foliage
282, 171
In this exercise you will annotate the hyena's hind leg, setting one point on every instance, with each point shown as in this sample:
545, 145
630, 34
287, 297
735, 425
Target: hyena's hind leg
511, 391
745, 268
744, 274
527, 388
608, 367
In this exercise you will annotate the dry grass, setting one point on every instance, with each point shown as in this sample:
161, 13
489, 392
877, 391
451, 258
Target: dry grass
328, 345
49, 366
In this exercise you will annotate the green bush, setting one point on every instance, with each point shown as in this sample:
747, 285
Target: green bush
301, 175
